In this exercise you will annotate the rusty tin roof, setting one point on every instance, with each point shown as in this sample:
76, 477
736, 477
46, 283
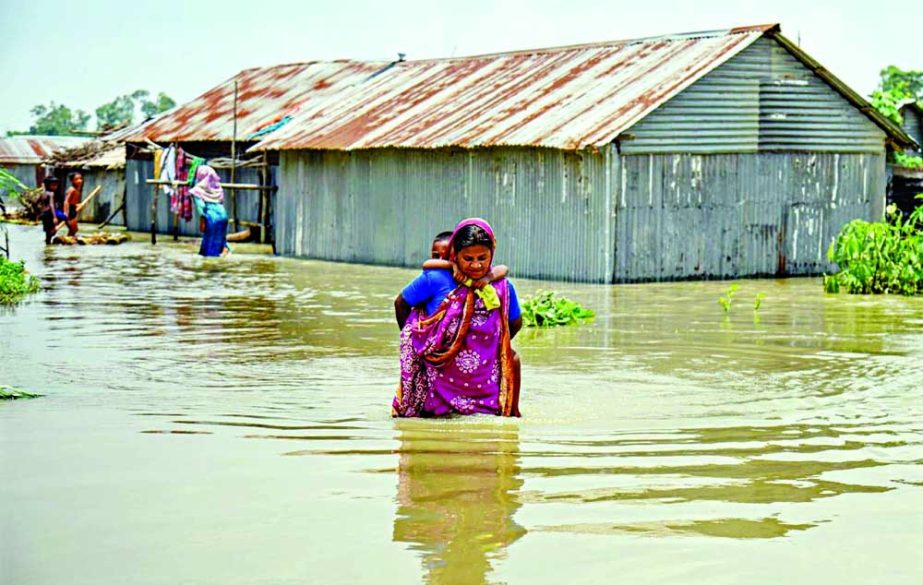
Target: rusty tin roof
265, 95
567, 97
30, 150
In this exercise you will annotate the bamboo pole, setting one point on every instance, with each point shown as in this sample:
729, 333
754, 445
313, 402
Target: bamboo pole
175, 215
112, 216
80, 206
234, 164
261, 213
229, 186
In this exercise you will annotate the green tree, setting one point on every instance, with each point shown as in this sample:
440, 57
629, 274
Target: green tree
162, 104
906, 82
57, 120
120, 111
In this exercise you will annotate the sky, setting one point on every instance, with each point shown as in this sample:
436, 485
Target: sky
84, 54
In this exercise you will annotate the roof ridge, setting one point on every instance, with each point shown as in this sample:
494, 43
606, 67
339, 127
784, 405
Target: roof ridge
762, 28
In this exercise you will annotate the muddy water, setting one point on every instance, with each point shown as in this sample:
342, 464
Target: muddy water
226, 421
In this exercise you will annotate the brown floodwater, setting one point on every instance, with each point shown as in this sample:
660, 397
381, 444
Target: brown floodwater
227, 421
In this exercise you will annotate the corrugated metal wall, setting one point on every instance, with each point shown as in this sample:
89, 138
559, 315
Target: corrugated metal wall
140, 193
696, 216
548, 207
109, 198
913, 124
763, 99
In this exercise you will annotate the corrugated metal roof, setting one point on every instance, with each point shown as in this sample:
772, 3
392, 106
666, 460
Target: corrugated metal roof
264, 96
568, 97
32, 149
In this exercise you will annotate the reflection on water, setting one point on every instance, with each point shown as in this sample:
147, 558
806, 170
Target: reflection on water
235, 412
457, 494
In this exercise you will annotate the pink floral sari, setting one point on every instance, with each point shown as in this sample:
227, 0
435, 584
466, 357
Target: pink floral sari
459, 359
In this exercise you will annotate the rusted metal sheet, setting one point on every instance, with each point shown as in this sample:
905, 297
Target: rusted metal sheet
726, 216
567, 98
265, 95
32, 149
550, 208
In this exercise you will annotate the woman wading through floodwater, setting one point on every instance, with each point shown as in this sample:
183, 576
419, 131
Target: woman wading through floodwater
455, 348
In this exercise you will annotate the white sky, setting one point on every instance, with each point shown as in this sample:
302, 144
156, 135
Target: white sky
94, 50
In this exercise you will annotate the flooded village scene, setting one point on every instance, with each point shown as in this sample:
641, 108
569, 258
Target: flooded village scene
461, 293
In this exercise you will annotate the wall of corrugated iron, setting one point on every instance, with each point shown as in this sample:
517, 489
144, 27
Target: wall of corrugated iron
762, 99
912, 124
548, 207
109, 198
673, 216
700, 216
140, 194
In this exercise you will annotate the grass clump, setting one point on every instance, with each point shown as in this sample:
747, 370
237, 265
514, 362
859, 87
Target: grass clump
15, 282
883, 257
548, 309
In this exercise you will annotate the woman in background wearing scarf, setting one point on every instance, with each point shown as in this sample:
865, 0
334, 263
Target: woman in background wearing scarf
208, 197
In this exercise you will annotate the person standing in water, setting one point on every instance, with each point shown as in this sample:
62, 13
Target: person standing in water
455, 353
208, 197
71, 201
50, 214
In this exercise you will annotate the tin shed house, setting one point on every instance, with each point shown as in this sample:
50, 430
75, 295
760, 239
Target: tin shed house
232, 117
705, 155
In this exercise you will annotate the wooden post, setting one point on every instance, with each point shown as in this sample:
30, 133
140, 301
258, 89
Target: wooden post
264, 195
153, 214
175, 215
234, 164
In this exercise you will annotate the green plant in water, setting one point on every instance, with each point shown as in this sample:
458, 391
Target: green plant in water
758, 301
884, 257
15, 282
727, 298
548, 309
10, 393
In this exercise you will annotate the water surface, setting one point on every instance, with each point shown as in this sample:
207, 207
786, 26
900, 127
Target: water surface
226, 421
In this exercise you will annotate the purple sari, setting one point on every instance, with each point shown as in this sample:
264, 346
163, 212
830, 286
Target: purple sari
459, 359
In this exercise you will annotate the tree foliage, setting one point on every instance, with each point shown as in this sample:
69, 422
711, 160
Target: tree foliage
57, 120
895, 88
161, 104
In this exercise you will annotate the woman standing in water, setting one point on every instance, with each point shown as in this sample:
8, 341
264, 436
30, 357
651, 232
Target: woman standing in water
208, 197
455, 349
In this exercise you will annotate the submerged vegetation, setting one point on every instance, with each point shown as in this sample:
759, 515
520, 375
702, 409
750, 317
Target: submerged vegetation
727, 299
15, 282
883, 257
10, 393
548, 309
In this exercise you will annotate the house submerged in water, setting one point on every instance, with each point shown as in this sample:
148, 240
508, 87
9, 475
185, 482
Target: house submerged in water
707, 155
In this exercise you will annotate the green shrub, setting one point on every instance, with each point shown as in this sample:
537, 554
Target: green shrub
15, 282
910, 161
547, 309
879, 257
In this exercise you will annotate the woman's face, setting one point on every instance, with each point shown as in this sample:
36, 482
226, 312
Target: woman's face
474, 261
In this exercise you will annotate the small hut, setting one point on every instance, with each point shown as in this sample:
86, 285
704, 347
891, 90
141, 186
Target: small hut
907, 181
22, 155
102, 164
706, 155
220, 125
